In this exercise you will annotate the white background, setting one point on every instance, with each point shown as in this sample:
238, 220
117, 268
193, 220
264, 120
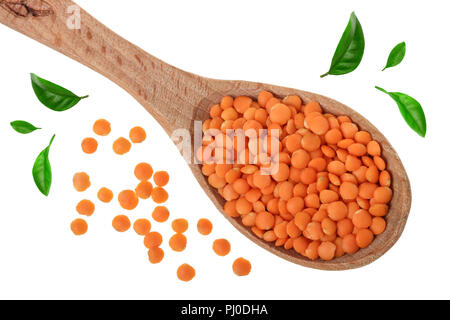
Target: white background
289, 43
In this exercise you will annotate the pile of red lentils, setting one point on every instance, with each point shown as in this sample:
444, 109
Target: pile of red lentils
129, 201
329, 191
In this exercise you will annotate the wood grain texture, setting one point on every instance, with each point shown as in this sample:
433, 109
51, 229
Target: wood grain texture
176, 99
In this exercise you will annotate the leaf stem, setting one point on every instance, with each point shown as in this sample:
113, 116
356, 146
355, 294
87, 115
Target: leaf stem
324, 75
51, 141
84, 97
381, 89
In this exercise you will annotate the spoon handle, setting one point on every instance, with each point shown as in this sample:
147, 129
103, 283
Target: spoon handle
65, 27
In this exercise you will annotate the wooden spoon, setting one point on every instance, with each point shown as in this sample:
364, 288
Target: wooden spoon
176, 98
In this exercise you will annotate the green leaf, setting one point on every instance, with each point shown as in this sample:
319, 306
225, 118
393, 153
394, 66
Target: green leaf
42, 170
52, 95
23, 127
396, 56
411, 111
350, 50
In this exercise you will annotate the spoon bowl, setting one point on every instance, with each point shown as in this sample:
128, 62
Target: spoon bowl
399, 206
176, 99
